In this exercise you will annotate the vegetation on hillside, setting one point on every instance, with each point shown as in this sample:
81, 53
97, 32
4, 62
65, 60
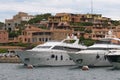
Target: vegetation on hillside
82, 24
39, 18
14, 34
3, 50
115, 22
87, 42
1, 24
26, 45
80, 29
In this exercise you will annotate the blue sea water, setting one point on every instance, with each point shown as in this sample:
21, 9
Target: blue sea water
19, 72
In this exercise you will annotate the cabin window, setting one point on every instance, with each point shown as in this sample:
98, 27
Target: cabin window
44, 47
72, 49
95, 48
27, 59
97, 57
61, 57
79, 60
59, 47
70, 58
47, 59
115, 59
105, 57
52, 56
56, 57
66, 48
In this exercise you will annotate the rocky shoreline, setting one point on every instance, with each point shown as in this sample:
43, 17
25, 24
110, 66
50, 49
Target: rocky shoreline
9, 59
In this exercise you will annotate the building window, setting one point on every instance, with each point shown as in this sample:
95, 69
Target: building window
25, 39
9, 29
46, 39
39, 39
28, 33
43, 39
16, 24
34, 39
9, 24
28, 39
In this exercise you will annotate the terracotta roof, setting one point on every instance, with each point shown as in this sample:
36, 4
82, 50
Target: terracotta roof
35, 29
29, 28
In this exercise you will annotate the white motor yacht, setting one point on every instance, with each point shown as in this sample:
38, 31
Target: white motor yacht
52, 53
94, 55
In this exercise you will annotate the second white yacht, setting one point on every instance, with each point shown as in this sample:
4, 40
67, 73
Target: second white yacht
95, 55
52, 53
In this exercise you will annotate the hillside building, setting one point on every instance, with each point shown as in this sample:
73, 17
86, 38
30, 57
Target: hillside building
12, 24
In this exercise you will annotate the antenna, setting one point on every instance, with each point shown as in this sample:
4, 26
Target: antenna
91, 6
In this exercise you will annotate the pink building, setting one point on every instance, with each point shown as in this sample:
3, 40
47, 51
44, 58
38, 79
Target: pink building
3, 36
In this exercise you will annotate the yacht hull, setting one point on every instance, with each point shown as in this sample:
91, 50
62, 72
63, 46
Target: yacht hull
45, 58
91, 60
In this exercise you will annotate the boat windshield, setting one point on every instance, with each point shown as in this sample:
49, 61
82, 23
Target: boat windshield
66, 48
69, 41
103, 42
98, 48
45, 47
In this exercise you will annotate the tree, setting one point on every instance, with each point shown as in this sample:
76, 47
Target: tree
87, 42
82, 24
115, 22
14, 34
1, 24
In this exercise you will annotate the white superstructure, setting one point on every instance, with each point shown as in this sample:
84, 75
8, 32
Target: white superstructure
51, 53
95, 55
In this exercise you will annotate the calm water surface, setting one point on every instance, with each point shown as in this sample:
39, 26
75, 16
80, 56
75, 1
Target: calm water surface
19, 72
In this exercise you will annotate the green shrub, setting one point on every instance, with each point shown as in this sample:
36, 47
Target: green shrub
3, 50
